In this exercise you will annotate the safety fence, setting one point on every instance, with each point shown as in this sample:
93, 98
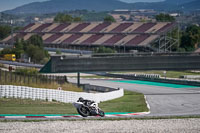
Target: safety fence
7, 77
134, 76
9, 91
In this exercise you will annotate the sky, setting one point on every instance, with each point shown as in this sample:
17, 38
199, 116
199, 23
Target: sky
11, 4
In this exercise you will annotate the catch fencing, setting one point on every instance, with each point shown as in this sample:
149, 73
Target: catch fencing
10, 91
7, 77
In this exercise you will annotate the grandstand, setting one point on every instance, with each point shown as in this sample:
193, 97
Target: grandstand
126, 36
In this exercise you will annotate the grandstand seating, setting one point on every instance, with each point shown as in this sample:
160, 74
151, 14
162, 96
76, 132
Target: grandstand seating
32, 28
95, 34
79, 27
52, 38
51, 27
8, 39
100, 27
15, 36
125, 40
92, 39
148, 40
45, 36
72, 38
60, 27
80, 40
102, 39
157, 27
121, 27
89, 27
138, 39
42, 27
61, 39
110, 28
144, 27
132, 27
165, 28
27, 27
27, 36
113, 39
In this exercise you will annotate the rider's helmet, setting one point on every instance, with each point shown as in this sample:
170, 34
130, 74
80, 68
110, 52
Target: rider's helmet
80, 99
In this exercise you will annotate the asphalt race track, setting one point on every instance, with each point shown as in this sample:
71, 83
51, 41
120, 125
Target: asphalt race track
163, 101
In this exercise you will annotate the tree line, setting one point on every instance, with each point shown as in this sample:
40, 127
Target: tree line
66, 18
33, 48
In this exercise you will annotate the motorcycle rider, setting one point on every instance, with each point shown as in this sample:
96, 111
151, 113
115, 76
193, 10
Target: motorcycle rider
87, 103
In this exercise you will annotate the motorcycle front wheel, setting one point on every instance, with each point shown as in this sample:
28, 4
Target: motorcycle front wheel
83, 111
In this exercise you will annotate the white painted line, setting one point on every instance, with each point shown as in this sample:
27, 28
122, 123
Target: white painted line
111, 116
53, 116
15, 117
148, 106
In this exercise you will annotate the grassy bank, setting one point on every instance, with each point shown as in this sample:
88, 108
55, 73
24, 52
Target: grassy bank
130, 102
65, 86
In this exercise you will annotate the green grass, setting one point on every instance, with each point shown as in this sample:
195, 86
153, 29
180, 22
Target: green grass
28, 106
130, 102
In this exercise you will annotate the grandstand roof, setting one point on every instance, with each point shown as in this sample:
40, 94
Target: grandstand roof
94, 34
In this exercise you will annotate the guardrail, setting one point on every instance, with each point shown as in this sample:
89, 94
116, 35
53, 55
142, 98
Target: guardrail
9, 91
146, 54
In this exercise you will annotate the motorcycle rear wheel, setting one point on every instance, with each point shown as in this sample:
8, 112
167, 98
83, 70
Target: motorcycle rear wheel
83, 111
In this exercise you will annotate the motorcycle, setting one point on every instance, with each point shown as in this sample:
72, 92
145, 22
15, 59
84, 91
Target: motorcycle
89, 109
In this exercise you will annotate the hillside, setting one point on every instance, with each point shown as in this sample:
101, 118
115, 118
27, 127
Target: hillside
54, 6
192, 5
66, 5
178, 2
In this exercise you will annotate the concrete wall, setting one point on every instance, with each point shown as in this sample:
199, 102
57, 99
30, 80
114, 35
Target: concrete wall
88, 88
59, 64
23, 92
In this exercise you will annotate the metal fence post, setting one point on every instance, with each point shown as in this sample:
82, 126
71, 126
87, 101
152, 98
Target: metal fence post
24, 79
36, 80
0, 75
5, 77
20, 78
10, 73
28, 79
15, 77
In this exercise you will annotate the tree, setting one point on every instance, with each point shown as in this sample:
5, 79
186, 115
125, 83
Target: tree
5, 30
77, 19
33, 47
103, 49
6, 51
191, 38
63, 18
36, 40
36, 53
19, 48
164, 18
109, 19
58, 52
